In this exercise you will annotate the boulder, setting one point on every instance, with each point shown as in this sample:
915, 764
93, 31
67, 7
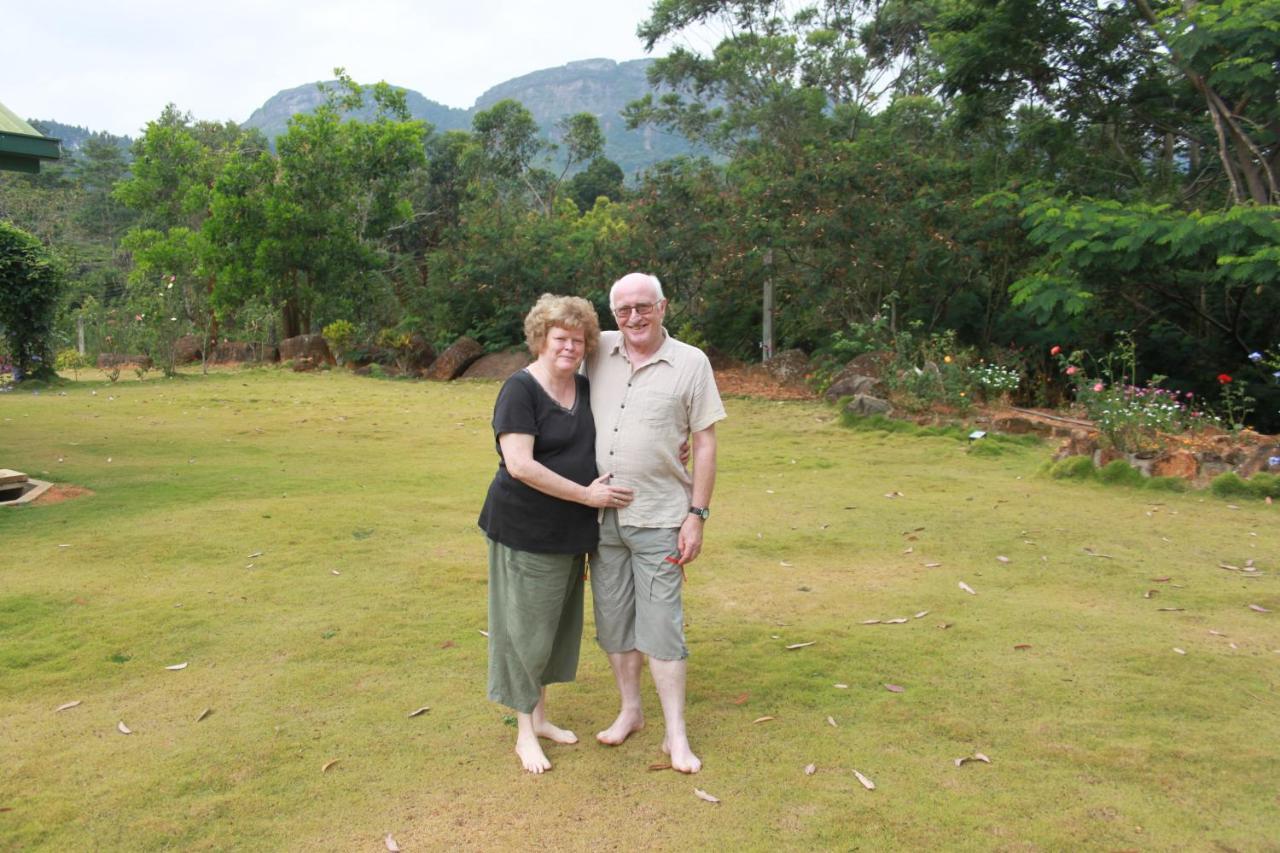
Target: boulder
1104, 456
457, 358
1258, 460
1081, 443
1178, 463
790, 365
865, 404
231, 352
187, 349
314, 347
498, 365
850, 385
421, 353
1015, 424
120, 359
873, 364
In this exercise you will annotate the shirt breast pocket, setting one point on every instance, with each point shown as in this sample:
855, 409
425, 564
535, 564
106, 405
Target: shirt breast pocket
665, 413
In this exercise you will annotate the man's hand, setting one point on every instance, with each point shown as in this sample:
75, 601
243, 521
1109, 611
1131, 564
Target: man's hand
690, 539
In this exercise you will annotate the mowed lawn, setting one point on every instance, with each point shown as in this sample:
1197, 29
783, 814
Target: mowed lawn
306, 544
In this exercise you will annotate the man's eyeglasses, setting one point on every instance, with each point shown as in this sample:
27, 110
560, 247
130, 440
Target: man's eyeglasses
644, 309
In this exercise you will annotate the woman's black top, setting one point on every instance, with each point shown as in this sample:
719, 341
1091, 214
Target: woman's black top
564, 440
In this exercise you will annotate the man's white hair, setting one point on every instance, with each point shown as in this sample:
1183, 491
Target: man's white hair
631, 277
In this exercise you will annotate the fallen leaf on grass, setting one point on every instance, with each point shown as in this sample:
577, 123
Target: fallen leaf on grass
484, 633
922, 614
1022, 646
1259, 608
967, 588
893, 494
977, 756
831, 721
703, 795
123, 729
177, 666
1151, 593
420, 711
761, 720
335, 571
206, 712
1164, 579
810, 769
328, 764
870, 621
786, 565
68, 706
908, 551
391, 844
664, 766
254, 554
1002, 559
945, 625
1179, 651
866, 783
1170, 609
447, 644
741, 698
800, 645
894, 688
1228, 567
840, 686
1216, 633
932, 565
898, 621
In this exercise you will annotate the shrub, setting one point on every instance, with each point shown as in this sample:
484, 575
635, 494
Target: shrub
1167, 484
29, 289
1122, 472
72, 359
1073, 468
341, 335
1229, 485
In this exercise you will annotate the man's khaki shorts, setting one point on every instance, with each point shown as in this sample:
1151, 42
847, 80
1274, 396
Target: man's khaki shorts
635, 590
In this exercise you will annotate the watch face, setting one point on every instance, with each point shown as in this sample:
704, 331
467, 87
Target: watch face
702, 512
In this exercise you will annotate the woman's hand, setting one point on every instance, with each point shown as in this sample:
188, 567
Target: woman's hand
604, 496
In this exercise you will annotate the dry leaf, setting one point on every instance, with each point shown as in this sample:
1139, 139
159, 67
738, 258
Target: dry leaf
420, 711
1179, 651
893, 688
958, 762
68, 706
898, 621
866, 783
665, 766
1021, 646
932, 565
922, 614
980, 757
1170, 609
328, 764
123, 729
484, 633
800, 645
1164, 579
741, 698
335, 571
810, 769
967, 588
786, 565
840, 686
1259, 608
908, 551
703, 795
1228, 567
831, 721
447, 644
871, 622
254, 554
1002, 559
761, 720
1211, 631
1151, 593
391, 844
206, 712
177, 666
893, 494
945, 625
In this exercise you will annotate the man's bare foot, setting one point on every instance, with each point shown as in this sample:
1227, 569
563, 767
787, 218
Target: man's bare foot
554, 733
682, 757
627, 723
531, 755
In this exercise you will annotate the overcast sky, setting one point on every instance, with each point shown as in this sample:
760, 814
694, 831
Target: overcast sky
114, 65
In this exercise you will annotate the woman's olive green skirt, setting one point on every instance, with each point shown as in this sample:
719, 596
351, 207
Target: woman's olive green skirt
535, 623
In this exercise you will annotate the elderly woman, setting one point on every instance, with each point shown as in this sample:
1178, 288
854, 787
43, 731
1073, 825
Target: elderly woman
540, 517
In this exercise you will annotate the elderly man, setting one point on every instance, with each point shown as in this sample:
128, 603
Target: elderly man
649, 393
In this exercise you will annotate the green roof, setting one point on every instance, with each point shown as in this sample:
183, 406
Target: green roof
22, 147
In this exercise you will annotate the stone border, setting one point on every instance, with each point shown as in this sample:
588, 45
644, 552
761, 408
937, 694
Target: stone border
33, 489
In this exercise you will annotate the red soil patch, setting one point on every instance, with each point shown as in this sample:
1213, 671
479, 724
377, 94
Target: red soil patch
58, 493
755, 381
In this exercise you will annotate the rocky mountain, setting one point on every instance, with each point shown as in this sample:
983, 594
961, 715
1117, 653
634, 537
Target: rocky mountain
598, 86
73, 137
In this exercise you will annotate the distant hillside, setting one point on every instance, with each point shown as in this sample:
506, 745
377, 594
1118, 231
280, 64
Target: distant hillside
73, 137
598, 86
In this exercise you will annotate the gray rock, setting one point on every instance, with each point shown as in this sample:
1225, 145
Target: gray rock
850, 386
865, 404
789, 365
314, 347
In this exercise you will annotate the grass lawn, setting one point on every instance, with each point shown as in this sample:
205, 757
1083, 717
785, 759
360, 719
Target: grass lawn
367, 599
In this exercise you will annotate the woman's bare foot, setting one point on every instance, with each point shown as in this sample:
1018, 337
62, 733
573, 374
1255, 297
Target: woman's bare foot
682, 757
554, 733
627, 723
531, 755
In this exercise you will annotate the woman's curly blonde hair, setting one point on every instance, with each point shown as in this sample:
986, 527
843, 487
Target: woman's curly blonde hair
565, 312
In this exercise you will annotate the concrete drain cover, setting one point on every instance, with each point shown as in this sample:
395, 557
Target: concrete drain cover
16, 488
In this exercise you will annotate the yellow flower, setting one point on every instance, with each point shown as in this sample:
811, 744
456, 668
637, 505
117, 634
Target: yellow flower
947, 359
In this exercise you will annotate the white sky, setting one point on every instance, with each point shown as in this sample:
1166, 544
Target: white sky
114, 65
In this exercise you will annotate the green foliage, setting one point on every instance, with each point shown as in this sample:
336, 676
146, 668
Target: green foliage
1073, 468
30, 283
341, 335
1120, 472
72, 360
1232, 485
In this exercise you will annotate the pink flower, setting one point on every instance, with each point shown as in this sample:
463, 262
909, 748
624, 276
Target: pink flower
1071, 371
1098, 387
1055, 350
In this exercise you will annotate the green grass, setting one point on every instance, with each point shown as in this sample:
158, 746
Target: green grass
1100, 735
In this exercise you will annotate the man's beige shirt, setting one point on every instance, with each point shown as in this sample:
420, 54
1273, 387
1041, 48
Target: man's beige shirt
642, 416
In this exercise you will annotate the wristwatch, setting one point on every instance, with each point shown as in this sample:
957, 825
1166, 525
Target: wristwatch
702, 512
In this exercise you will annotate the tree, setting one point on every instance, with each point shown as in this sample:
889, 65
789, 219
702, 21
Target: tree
602, 178
29, 289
